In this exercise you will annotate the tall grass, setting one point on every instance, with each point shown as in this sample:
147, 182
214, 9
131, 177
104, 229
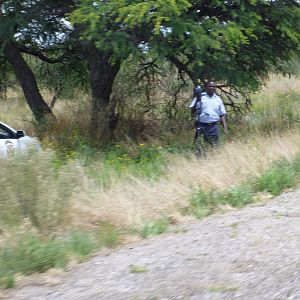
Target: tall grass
275, 109
33, 188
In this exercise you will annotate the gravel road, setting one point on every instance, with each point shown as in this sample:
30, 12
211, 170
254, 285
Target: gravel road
251, 253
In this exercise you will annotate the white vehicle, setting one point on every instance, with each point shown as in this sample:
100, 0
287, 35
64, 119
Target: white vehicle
15, 141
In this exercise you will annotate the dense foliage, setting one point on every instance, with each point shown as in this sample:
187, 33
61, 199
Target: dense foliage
236, 42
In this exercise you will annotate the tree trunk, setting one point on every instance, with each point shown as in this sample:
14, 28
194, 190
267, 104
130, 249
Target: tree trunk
103, 74
27, 80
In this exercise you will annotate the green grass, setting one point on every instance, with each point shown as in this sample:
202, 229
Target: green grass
80, 244
203, 203
116, 161
108, 235
280, 176
237, 196
33, 254
137, 269
7, 282
119, 162
223, 288
154, 227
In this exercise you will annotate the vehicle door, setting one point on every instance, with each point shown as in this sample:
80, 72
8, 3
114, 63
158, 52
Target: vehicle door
9, 144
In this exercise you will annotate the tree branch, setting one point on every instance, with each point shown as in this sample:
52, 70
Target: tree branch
41, 56
181, 66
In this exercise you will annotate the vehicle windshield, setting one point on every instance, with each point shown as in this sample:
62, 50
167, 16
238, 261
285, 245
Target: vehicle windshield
5, 134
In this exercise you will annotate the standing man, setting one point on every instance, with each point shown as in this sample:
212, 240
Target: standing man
210, 111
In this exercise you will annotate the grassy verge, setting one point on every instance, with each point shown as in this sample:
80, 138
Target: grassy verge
282, 175
29, 253
52, 244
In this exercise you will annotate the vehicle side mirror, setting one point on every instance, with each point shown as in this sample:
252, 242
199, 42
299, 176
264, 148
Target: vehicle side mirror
20, 133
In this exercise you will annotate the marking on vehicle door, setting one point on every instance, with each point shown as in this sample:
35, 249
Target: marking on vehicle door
9, 147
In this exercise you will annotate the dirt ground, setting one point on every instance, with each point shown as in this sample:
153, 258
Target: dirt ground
251, 253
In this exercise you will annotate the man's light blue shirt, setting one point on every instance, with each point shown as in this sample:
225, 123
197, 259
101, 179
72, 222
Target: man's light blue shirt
209, 109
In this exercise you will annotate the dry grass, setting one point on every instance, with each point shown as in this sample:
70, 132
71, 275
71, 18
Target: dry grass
133, 202
15, 111
277, 93
279, 84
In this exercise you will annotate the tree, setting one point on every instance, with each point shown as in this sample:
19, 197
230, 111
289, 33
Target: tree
109, 40
5, 78
41, 29
236, 42
35, 28
62, 80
